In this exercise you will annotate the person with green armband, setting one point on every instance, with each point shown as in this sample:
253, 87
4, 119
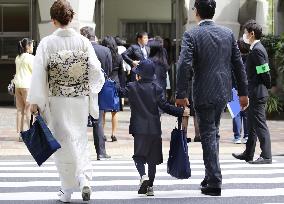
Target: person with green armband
259, 81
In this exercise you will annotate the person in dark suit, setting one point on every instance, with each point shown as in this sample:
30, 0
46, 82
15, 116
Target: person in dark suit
145, 98
104, 56
137, 52
210, 50
259, 82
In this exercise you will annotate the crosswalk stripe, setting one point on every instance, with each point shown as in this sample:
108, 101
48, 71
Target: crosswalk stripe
124, 195
160, 174
114, 162
120, 178
132, 167
275, 180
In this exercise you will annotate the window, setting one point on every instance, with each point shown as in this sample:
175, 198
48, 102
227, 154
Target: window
15, 18
14, 26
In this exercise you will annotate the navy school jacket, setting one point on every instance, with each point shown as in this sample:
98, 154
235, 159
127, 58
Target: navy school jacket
145, 98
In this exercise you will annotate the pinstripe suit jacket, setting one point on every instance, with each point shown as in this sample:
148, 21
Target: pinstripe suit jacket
209, 54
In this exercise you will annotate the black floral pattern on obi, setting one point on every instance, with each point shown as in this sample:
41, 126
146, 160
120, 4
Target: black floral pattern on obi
68, 74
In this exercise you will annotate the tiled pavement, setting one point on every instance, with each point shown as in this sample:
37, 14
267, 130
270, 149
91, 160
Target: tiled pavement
9, 144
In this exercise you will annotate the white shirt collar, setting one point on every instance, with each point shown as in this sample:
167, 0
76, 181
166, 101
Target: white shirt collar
253, 44
205, 20
141, 45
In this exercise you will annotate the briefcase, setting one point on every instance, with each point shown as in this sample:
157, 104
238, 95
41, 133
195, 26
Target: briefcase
39, 140
178, 165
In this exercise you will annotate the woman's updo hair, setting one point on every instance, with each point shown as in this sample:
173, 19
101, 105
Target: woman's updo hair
62, 11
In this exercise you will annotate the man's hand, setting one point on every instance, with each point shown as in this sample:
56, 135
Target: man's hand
244, 102
135, 63
182, 102
34, 108
186, 112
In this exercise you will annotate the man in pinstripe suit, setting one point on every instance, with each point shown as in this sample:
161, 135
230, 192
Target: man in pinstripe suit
211, 52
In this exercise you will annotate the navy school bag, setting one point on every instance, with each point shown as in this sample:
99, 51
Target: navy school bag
108, 96
39, 140
178, 165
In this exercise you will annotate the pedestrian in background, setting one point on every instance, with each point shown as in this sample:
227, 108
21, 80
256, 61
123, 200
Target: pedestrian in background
126, 67
65, 83
240, 120
259, 81
104, 56
22, 80
137, 52
121, 49
116, 75
145, 98
159, 57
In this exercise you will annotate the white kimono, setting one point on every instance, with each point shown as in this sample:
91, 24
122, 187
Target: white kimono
67, 116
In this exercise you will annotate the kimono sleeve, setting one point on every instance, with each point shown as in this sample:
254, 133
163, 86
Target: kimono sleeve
96, 76
38, 92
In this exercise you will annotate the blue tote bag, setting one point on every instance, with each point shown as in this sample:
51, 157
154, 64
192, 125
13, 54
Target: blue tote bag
178, 165
108, 97
39, 140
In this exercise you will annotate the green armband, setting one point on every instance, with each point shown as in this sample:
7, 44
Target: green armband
262, 68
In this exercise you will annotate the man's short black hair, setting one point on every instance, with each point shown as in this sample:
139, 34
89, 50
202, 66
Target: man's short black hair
205, 8
141, 34
253, 26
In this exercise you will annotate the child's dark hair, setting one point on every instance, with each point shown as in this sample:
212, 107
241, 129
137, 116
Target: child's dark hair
253, 26
22, 45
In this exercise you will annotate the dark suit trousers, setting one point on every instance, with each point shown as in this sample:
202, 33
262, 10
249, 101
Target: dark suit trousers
98, 134
208, 117
257, 128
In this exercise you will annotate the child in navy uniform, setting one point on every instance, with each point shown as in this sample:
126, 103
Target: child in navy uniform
145, 98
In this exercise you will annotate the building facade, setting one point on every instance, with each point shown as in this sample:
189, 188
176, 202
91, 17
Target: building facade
166, 18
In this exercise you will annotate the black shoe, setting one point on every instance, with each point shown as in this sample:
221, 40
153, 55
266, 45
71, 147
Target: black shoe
113, 138
103, 156
105, 138
241, 156
197, 139
144, 184
188, 140
204, 183
211, 191
261, 160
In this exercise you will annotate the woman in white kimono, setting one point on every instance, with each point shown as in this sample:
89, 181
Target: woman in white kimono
65, 82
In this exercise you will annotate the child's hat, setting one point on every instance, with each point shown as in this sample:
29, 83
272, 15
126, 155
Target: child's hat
145, 69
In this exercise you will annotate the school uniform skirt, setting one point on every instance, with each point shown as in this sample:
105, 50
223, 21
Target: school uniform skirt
148, 149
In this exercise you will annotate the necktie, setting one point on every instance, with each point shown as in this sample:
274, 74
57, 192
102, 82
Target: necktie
144, 52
